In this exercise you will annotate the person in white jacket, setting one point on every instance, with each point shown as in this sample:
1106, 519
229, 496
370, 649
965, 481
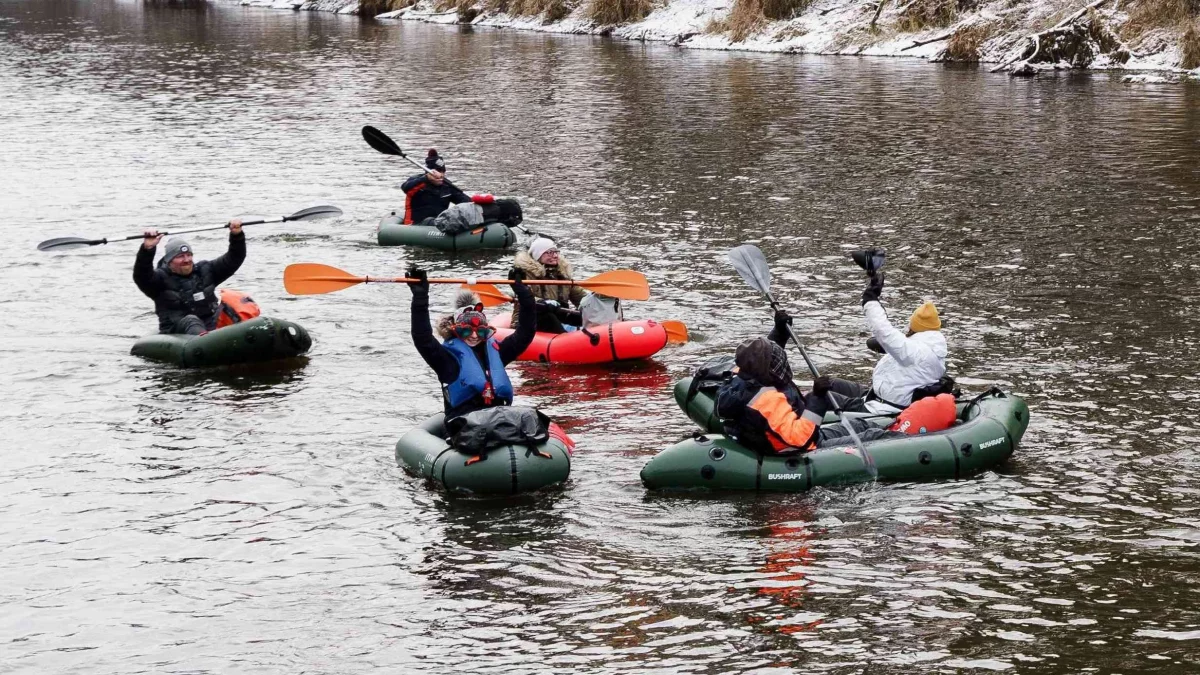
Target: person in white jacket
911, 360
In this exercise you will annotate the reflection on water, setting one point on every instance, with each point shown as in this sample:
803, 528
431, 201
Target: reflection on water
176, 521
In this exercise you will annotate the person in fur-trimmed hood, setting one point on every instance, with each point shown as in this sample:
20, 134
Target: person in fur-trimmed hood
543, 261
470, 361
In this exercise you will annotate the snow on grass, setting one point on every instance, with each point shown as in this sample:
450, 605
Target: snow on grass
995, 32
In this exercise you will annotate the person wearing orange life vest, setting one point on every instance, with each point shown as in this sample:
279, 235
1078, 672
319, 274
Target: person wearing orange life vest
470, 362
765, 411
427, 194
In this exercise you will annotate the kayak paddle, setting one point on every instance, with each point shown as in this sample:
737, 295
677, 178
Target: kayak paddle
315, 279
311, 213
491, 296
752, 266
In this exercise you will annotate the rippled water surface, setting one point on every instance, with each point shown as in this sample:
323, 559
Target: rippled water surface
162, 521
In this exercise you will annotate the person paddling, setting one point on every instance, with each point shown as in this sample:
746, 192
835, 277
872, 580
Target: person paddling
470, 362
184, 291
913, 364
544, 261
428, 194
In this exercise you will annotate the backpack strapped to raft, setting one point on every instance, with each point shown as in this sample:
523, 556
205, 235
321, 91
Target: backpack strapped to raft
944, 385
709, 377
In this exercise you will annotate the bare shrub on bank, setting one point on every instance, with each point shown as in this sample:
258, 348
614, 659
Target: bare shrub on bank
549, 10
749, 16
920, 15
615, 12
373, 7
967, 42
1190, 46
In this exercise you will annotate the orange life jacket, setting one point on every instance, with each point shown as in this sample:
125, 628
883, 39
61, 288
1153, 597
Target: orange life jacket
236, 307
932, 413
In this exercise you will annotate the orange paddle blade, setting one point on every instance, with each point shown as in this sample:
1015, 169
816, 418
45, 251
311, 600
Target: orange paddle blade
676, 331
623, 284
488, 294
315, 278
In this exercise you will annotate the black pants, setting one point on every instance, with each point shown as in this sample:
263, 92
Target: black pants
850, 396
190, 325
552, 319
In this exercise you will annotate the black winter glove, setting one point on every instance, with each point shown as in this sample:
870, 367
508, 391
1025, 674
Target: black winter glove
874, 346
874, 288
821, 386
516, 276
422, 279
782, 320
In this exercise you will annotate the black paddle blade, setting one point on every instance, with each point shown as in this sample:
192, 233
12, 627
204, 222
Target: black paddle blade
380, 141
752, 266
63, 243
315, 213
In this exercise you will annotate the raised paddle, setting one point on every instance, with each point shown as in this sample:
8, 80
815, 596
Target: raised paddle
311, 213
383, 143
752, 266
315, 279
490, 296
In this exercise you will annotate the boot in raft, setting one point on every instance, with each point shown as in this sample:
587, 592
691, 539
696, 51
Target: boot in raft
606, 343
986, 433
393, 232
507, 470
255, 341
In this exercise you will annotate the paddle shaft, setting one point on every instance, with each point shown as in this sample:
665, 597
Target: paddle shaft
277, 219
406, 280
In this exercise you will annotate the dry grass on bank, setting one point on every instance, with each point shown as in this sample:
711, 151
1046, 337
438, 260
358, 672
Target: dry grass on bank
1150, 17
616, 12
1190, 45
373, 7
1147, 15
920, 15
749, 16
549, 10
967, 42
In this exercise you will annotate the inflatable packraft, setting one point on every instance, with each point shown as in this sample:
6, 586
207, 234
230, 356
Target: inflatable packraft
987, 431
393, 232
253, 341
507, 470
620, 341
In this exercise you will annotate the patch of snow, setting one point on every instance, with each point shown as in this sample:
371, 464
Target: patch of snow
826, 27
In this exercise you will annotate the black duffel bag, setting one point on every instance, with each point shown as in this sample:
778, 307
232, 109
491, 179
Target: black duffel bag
507, 211
477, 432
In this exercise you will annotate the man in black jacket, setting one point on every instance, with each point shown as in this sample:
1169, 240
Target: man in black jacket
185, 292
427, 194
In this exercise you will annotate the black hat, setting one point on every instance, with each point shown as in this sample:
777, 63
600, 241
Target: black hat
434, 161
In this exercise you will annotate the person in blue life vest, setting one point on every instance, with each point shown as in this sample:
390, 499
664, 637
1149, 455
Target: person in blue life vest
427, 194
470, 361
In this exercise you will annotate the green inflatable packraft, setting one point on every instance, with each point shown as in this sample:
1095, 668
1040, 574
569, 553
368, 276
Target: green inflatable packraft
252, 341
392, 232
507, 470
988, 431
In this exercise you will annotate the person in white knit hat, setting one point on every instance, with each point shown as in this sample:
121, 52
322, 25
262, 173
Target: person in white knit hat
544, 261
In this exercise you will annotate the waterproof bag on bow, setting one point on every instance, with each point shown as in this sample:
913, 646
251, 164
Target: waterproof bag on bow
477, 432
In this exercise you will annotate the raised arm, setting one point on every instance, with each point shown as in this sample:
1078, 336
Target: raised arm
512, 346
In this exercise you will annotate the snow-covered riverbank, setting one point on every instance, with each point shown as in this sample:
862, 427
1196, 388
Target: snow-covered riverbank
1020, 36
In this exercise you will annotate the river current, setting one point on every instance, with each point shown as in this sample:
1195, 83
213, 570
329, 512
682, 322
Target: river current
156, 520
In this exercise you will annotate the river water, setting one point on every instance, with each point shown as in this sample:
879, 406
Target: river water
162, 521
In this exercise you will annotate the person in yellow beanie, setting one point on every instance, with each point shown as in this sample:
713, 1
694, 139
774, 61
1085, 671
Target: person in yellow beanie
924, 317
910, 361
